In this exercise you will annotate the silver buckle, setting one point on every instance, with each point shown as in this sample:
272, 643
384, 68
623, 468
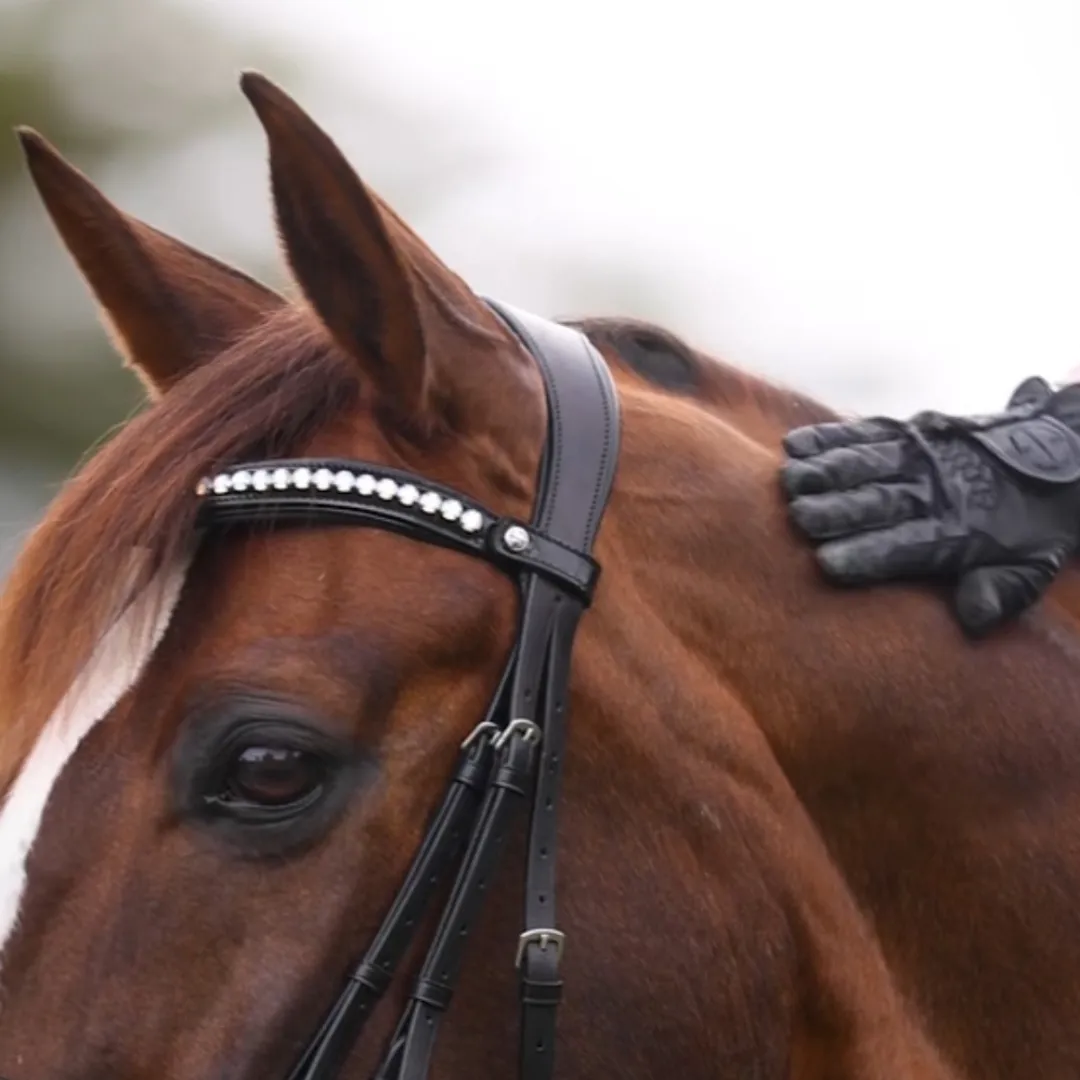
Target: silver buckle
485, 727
529, 731
555, 938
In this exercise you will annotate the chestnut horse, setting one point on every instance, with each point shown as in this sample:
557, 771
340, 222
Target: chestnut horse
803, 833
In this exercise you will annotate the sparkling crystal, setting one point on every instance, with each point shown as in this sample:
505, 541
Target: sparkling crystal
260, 479
472, 521
241, 480
322, 479
222, 483
430, 502
386, 488
281, 479
344, 480
408, 494
365, 484
202, 487
301, 478
451, 509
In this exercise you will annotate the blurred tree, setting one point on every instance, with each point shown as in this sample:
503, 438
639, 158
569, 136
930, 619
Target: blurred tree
107, 82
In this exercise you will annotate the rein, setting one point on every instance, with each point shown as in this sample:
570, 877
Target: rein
517, 750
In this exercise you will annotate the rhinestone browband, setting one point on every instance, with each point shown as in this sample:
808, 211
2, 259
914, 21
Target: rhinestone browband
358, 493
346, 482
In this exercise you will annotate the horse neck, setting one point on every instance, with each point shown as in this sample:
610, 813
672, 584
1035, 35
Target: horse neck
667, 745
870, 740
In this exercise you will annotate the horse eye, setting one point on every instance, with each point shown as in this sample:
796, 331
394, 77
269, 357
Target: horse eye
272, 776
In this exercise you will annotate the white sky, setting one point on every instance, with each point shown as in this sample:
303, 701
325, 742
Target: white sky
879, 202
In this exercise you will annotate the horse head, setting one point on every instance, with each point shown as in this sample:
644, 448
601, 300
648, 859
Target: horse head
802, 833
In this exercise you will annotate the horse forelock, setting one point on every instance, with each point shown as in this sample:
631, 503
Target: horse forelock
264, 397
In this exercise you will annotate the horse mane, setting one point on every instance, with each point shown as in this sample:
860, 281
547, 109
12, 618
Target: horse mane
666, 361
133, 504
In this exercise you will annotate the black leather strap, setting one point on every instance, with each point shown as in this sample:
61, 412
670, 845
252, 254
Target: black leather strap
540, 950
577, 476
438, 977
582, 452
445, 837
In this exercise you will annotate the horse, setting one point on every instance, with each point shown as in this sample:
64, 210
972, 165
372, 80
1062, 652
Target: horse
803, 832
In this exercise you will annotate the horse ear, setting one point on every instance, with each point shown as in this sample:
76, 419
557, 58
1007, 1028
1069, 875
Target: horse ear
169, 306
340, 245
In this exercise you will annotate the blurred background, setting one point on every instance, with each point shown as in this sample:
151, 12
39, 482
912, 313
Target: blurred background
875, 202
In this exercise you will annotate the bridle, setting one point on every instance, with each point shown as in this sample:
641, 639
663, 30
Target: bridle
517, 750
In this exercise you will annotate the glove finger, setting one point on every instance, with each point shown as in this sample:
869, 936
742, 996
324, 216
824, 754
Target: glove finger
877, 506
991, 595
815, 438
922, 548
845, 467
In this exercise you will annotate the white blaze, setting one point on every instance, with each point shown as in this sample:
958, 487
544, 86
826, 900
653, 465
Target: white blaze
113, 669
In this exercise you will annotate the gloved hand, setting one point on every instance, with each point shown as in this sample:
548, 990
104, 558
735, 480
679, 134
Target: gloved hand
990, 503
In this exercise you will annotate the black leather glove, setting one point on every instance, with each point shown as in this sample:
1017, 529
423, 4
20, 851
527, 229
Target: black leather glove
991, 503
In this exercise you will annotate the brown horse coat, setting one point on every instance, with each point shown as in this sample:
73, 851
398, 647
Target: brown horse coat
805, 833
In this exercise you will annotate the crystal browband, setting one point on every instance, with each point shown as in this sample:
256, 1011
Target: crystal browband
311, 491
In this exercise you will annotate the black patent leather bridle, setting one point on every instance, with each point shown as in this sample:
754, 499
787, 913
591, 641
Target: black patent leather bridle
517, 750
